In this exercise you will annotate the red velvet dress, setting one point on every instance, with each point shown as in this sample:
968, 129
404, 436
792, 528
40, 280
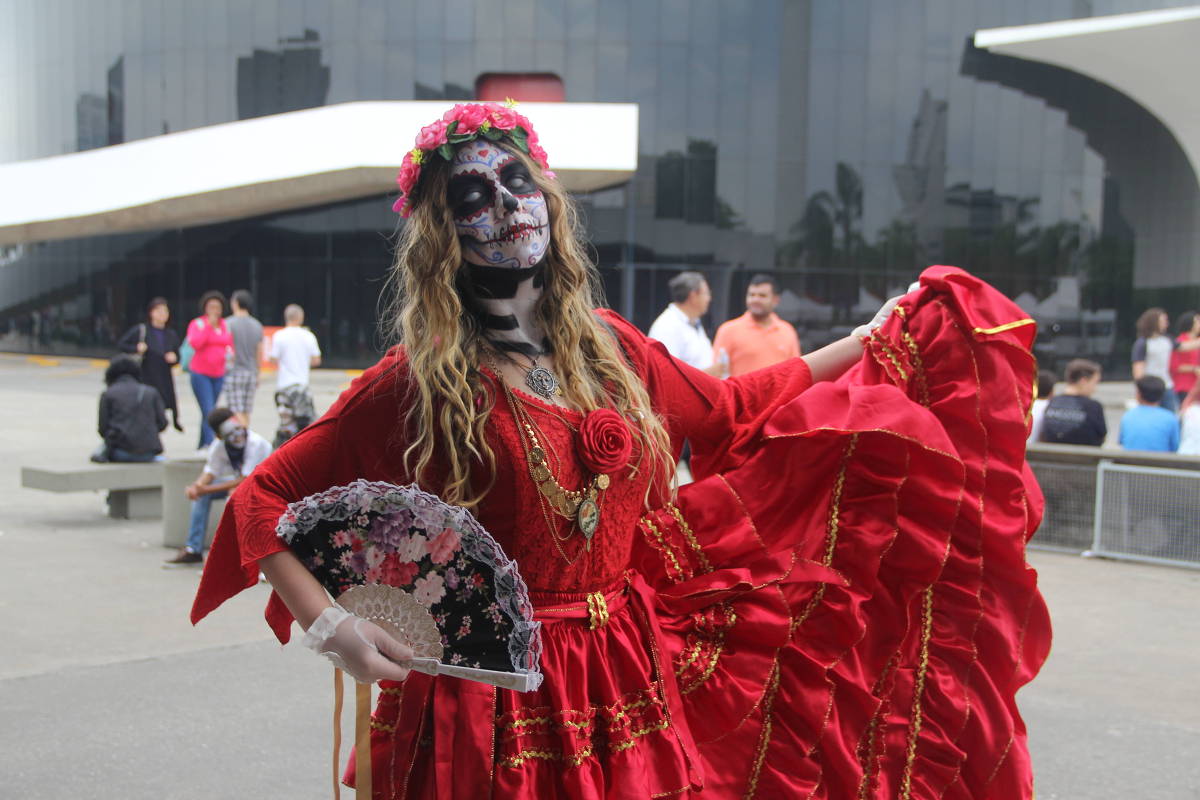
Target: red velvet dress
838, 607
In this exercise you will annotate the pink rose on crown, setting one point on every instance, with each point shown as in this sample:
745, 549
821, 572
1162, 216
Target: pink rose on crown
432, 135
469, 116
506, 118
539, 155
605, 442
409, 172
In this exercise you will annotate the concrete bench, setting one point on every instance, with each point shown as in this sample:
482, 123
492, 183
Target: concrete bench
177, 509
134, 490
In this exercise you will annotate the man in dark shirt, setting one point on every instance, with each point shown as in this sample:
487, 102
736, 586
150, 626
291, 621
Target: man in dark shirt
1073, 417
131, 415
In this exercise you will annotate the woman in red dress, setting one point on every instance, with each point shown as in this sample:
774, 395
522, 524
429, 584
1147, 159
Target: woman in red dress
839, 605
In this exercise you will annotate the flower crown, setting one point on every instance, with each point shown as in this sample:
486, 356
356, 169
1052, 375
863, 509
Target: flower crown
464, 123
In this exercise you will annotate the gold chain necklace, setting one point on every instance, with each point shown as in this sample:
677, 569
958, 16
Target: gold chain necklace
581, 506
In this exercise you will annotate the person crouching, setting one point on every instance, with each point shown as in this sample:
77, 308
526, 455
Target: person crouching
231, 457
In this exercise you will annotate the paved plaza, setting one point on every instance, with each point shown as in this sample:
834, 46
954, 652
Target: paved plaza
107, 691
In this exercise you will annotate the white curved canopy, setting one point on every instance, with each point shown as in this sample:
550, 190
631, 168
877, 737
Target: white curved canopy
1152, 57
276, 163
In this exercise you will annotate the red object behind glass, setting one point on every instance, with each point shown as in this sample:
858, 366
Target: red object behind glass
529, 87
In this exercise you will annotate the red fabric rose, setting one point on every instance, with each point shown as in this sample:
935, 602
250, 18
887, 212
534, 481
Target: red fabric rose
605, 442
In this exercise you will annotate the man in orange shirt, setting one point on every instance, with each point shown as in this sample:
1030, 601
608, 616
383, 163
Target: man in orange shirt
758, 338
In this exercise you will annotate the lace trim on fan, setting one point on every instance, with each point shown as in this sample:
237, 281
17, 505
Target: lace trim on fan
512, 595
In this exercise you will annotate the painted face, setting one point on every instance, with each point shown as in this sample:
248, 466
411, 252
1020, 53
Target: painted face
233, 432
499, 212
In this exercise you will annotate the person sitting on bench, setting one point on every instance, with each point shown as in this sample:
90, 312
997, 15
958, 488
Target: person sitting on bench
231, 457
131, 415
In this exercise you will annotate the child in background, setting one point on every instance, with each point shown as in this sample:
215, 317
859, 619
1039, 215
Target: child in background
1073, 417
1149, 426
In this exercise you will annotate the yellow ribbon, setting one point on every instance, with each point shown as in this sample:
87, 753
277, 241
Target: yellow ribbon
362, 737
337, 733
362, 741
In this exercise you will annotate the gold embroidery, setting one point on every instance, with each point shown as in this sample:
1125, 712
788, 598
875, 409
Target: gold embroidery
716, 646
664, 546
620, 710
918, 689
831, 531
661, 725
887, 351
690, 535
764, 738
597, 611
547, 755
673, 792
918, 367
625, 722
693, 653
382, 726
999, 763
1008, 326
900, 436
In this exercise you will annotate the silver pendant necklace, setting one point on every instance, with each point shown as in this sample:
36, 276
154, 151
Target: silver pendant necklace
540, 380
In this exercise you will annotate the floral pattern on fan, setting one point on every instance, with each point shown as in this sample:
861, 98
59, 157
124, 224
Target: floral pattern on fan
365, 534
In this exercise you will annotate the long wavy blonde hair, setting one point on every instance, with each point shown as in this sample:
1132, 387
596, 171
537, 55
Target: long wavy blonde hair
450, 399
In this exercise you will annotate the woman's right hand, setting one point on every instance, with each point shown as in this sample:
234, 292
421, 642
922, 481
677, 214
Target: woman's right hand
141, 348
360, 647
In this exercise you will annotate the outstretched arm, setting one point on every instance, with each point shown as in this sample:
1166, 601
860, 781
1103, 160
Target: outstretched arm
832, 360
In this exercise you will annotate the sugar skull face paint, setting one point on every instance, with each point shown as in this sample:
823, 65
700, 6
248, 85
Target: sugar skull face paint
233, 433
499, 212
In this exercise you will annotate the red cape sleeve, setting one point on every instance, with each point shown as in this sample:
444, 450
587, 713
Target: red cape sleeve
312, 461
721, 418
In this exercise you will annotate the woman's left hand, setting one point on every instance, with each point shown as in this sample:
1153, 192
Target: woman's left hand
171, 358
880, 317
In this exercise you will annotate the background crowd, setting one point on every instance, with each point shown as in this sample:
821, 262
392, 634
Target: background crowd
225, 349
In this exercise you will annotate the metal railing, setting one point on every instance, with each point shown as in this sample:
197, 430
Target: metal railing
1147, 514
1119, 504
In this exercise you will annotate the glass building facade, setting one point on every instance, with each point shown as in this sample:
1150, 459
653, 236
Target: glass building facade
839, 144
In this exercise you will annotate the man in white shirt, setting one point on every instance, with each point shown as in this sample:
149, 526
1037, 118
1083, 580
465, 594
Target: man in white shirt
232, 456
678, 327
294, 350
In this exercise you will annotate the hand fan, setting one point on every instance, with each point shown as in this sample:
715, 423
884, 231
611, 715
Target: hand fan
425, 571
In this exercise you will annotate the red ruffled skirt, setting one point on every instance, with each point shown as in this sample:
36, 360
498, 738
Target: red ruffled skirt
846, 614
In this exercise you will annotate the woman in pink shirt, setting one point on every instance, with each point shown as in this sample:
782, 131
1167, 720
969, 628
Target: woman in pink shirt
209, 339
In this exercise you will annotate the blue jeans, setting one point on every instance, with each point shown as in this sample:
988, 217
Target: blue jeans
117, 454
207, 390
198, 525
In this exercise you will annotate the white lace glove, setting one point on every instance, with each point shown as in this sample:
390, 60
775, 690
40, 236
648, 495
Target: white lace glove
882, 314
364, 650
880, 317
